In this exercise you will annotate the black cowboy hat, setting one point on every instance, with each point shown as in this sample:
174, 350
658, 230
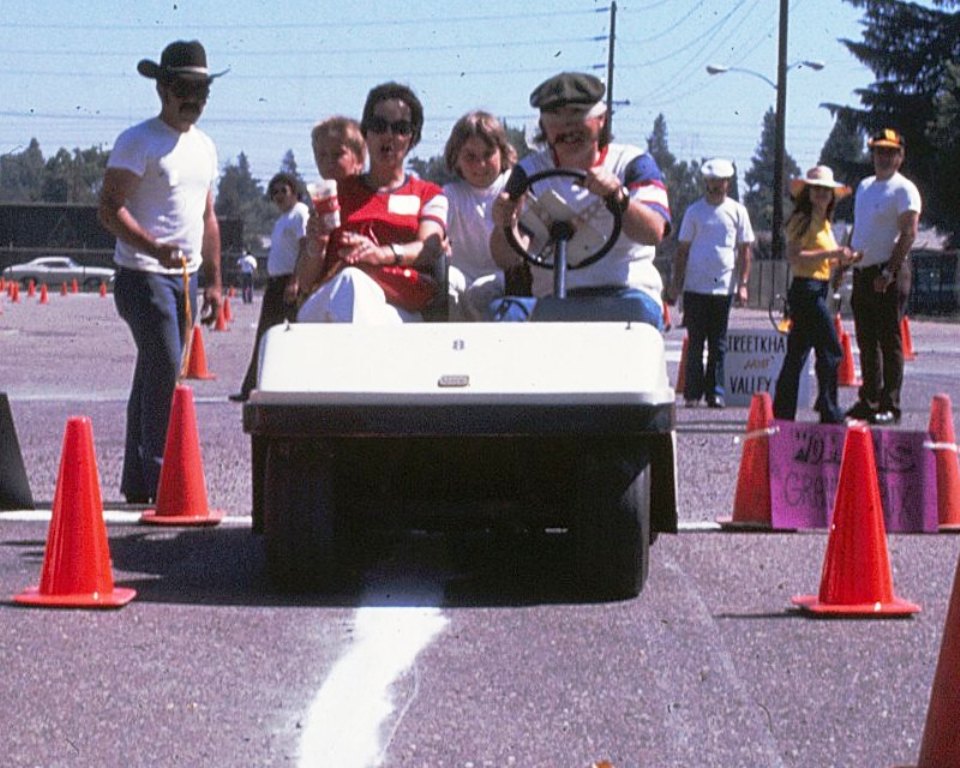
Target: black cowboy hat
182, 59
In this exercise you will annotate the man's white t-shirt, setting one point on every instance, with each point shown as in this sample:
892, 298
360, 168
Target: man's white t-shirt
876, 216
177, 170
714, 233
289, 228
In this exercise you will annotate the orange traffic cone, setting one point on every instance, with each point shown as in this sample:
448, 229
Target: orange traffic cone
103, 289
14, 485
15, 293
63, 289
230, 292
227, 310
76, 563
751, 504
74, 288
948, 467
940, 745
906, 340
31, 289
682, 370
43, 293
856, 578
221, 323
847, 374
182, 492
197, 362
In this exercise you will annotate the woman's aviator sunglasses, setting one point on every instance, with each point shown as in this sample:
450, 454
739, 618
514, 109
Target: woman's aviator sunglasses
377, 124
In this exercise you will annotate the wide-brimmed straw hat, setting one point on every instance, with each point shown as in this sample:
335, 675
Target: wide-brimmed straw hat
819, 176
183, 59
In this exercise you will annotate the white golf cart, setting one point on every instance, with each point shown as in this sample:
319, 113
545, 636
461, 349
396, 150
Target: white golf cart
566, 426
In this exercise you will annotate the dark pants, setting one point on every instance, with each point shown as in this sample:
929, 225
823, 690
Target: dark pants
153, 306
246, 287
705, 317
876, 317
811, 328
273, 312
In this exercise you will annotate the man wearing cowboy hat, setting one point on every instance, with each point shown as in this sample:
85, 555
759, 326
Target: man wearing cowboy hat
157, 198
575, 131
712, 266
885, 221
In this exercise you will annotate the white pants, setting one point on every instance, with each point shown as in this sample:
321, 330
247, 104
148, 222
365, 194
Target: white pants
352, 296
470, 302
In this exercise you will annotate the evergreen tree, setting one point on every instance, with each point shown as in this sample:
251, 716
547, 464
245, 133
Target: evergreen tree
681, 178
759, 178
910, 48
21, 175
845, 152
240, 195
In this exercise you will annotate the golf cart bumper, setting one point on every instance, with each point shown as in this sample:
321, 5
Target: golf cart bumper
479, 398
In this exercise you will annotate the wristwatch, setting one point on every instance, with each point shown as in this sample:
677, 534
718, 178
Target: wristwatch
398, 253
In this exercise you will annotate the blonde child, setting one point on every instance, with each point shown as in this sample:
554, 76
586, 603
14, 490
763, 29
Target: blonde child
339, 152
479, 153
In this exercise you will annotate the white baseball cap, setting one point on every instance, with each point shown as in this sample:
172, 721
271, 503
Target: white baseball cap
717, 168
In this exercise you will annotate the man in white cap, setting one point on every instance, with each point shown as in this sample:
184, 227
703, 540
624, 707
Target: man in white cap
712, 266
157, 198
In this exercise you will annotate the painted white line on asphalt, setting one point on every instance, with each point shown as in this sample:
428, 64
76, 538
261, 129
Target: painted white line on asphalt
112, 516
345, 724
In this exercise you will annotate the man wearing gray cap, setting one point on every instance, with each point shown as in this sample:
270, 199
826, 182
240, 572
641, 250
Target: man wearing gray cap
712, 265
575, 131
157, 198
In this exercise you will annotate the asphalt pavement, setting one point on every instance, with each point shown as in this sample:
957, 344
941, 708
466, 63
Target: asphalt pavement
493, 657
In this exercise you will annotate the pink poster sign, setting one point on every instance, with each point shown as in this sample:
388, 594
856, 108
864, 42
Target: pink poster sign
805, 469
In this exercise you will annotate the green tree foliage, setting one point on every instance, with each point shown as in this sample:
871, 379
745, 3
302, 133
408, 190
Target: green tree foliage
240, 195
845, 152
681, 178
67, 177
759, 177
910, 49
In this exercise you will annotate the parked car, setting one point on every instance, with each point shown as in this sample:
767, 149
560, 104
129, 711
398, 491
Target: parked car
54, 270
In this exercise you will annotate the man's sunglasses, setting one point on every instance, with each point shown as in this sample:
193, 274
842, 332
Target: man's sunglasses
378, 124
183, 89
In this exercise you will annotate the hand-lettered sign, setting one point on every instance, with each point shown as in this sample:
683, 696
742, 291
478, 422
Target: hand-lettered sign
752, 364
805, 469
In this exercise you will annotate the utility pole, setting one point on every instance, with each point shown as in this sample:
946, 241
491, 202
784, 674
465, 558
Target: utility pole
780, 149
610, 47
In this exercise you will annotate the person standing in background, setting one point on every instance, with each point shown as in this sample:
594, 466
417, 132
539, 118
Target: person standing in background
886, 217
280, 296
248, 270
157, 199
712, 267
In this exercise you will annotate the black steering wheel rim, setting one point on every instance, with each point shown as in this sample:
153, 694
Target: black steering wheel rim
519, 183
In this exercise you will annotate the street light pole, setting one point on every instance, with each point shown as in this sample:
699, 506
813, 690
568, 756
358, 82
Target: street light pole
780, 149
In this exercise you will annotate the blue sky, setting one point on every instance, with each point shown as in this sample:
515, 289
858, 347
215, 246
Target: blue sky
68, 69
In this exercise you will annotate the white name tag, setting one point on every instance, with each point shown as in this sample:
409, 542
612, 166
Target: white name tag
404, 205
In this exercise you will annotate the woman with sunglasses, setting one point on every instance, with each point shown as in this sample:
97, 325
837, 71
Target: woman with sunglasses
389, 220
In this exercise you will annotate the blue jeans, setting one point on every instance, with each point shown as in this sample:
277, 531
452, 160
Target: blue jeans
631, 304
152, 305
811, 327
705, 317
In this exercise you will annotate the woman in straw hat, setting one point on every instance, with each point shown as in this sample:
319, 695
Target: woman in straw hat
812, 251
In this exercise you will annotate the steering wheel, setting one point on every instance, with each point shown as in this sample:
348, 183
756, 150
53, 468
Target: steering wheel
560, 231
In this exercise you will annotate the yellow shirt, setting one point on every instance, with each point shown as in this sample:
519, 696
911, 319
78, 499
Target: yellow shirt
818, 237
